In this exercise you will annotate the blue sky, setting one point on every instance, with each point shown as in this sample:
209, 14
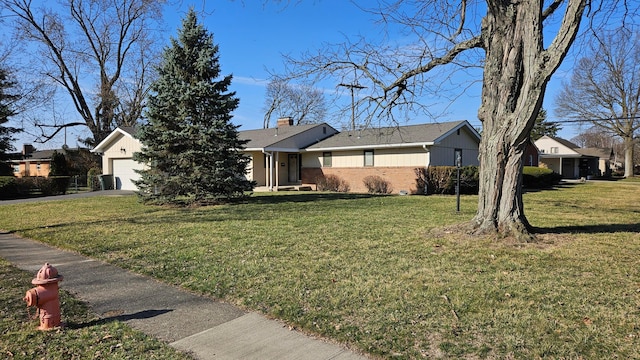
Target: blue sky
253, 37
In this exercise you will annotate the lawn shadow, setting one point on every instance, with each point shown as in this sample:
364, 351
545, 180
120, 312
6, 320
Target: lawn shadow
145, 314
589, 229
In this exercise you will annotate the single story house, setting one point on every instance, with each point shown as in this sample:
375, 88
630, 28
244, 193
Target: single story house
393, 153
31, 162
571, 161
289, 155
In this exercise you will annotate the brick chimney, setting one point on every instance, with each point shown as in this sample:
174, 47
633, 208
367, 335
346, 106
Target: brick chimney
285, 121
27, 149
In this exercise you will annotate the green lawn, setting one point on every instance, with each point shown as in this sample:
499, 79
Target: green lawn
84, 337
368, 271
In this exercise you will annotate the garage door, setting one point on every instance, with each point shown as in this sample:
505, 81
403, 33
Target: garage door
124, 174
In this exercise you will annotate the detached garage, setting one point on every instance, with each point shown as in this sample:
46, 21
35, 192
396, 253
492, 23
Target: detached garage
117, 157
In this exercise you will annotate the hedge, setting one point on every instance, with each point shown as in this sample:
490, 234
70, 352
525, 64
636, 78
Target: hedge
442, 179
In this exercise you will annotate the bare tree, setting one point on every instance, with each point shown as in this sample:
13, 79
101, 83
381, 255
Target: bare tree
605, 89
520, 44
98, 51
305, 104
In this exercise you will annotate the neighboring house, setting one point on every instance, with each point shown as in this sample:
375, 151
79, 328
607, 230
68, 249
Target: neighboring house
32, 162
571, 161
392, 153
117, 157
288, 155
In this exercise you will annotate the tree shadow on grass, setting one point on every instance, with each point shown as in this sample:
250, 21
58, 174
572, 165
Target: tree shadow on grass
145, 314
589, 229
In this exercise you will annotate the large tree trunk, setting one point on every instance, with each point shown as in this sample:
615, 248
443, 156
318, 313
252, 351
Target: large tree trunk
517, 70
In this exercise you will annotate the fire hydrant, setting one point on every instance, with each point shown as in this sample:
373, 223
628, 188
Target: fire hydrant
45, 296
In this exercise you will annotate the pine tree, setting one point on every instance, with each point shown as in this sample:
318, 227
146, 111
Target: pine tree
542, 127
6, 110
192, 148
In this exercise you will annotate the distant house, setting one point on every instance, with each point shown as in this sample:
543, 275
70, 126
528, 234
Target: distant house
393, 153
32, 162
289, 156
572, 161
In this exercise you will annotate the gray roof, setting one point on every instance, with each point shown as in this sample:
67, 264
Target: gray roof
565, 142
271, 137
603, 153
409, 135
129, 130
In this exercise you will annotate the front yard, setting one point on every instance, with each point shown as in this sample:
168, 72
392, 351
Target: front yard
368, 271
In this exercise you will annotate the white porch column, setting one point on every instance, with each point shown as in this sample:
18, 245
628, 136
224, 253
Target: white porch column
277, 169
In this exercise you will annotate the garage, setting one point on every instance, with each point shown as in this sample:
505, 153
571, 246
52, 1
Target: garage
124, 173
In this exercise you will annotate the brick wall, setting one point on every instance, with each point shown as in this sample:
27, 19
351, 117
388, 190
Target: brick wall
400, 178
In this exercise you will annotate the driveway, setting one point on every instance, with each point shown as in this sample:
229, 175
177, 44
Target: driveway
70, 196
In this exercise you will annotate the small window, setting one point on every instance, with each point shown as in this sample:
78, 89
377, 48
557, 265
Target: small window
326, 159
16, 169
38, 166
554, 150
368, 158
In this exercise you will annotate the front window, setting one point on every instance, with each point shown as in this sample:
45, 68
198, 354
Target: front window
326, 159
16, 169
368, 158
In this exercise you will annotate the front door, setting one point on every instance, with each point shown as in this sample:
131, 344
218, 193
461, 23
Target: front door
293, 168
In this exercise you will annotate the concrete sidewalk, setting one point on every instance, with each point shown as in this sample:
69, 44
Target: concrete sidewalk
206, 328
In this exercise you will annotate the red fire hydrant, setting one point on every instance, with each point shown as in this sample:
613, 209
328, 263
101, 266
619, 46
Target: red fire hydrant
45, 296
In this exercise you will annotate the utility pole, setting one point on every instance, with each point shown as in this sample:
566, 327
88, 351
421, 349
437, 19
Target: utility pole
353, 106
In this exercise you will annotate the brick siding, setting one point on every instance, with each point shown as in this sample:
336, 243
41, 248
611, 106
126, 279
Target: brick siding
400, 178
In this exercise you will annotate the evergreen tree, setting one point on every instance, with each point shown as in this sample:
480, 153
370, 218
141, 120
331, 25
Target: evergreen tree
542, 127
59, 165
192, 148
6, 110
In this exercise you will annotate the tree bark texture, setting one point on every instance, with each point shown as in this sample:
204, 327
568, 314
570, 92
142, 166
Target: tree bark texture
516, 72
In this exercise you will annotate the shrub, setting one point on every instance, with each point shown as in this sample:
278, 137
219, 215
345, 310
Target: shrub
93, 183
442, 180
8, 187
331, 183
377, 185
59, 184
538, 178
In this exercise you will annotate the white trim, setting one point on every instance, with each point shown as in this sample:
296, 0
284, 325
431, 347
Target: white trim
100, 147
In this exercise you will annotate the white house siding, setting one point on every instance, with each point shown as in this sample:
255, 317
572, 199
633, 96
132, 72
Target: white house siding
546, 146
414, 157
121, 148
